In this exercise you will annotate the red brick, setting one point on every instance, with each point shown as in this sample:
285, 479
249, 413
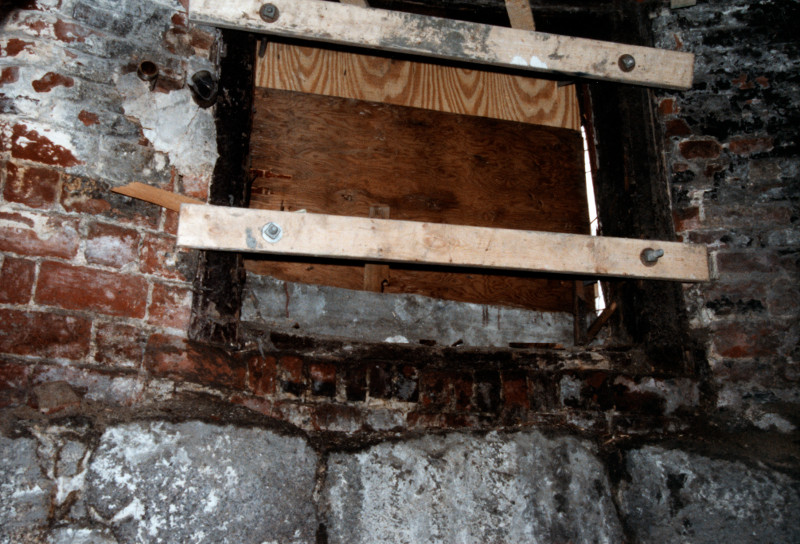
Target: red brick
34, 187
119, 345
262, 372
177, 358
28, 144
677, 127
748, 146
700, 149
79, 288
111, 245
462, 391
745, 262
686, 219
323, 379
667, 106
434, 388
158, 255
746, 340
32, 233
44, 334
170, 222
337, 418
88, 118
170, 306
50, 80
13, 383
515, 390
16, 280
9, 74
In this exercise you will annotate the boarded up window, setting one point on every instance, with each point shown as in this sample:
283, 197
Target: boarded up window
348, 134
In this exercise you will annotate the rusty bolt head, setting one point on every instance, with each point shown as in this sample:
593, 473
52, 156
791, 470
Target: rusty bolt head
269, 12
627, 62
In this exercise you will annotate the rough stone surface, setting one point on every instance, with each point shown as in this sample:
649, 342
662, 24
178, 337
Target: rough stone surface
383, 317
24, 489
194, 482
520, 487
675, 496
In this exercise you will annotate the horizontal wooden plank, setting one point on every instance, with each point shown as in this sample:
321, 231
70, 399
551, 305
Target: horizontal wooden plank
450, 39
418, 84
385, 240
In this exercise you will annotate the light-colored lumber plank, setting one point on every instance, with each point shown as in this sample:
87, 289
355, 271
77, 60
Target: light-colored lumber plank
424, 85
520, 14
359, 3
450, 39
154, 195
319, 235
376, 274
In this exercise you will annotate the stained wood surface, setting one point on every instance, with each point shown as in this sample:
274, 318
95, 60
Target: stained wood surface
333, 155
418, 84
338, 23
389, 240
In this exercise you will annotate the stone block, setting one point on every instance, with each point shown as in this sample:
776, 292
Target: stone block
675, 496
521, 487
24, 488
192, 482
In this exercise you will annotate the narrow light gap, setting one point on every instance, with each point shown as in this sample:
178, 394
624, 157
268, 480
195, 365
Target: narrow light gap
599, 299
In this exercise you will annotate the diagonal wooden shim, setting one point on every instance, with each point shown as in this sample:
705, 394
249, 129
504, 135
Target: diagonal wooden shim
319, 235
338, 23
154, 195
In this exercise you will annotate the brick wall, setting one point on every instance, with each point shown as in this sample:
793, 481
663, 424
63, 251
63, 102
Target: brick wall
732, 153
93, 291
88, 276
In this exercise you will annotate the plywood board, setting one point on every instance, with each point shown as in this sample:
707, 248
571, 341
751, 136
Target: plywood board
450, 39
418, 84
332, 155
387, 240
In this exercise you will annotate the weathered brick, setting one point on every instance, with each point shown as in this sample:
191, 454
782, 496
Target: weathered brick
291, 375
31, 186
262, 373
686, 218
119, 345
44, 334
28, 144
515, 390
53, 397
462, 391
85, 195
111, 245
749, 146
80, 288
170, 306
435, 389
179, 359
158, 255
380, 380
746, 262
32, 233
323, 379
667, 106
700, 149
50, 80
677, 127
337, 418
746, 340
16, 280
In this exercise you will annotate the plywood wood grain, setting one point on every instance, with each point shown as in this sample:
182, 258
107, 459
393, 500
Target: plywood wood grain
418, 84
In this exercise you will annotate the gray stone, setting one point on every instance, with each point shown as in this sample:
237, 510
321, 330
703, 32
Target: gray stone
675, 496
521, 487
71, 535
24, 490
194, 482
387, 317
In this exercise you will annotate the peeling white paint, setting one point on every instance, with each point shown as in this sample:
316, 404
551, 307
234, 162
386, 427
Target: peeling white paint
519, 61
536, 62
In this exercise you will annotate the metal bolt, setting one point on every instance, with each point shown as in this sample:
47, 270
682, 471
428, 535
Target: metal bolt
627, 62
271, 232
650, 256
269, 12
